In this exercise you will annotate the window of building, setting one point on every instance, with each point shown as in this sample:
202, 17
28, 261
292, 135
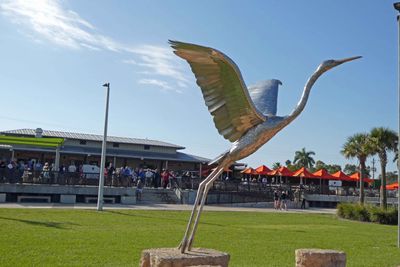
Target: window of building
115, 144
82, 142
146, 147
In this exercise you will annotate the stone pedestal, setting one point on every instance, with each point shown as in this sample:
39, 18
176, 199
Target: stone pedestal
320, 258
172, 257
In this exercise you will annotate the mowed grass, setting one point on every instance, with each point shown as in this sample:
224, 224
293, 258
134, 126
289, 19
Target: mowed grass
65, 237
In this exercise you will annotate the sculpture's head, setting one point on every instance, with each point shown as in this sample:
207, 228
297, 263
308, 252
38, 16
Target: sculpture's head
331, 63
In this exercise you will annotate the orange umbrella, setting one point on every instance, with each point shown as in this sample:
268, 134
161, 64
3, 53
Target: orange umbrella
393, 186
262, 170
302, 172
342, 176
324, 174
356, 177
282, 171
249, 171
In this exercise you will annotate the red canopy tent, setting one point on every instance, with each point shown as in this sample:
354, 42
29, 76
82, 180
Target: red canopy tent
342, 176
262, 170
302, 172
250, 171
324, 174
281, 171
393, 186
356, 177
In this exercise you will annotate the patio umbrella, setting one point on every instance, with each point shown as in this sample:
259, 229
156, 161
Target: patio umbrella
262, 170
250, 171
281, 171
324, 174
393, 186
356, 177
303, 173
339, 175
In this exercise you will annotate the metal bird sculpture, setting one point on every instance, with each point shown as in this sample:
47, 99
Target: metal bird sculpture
246, 117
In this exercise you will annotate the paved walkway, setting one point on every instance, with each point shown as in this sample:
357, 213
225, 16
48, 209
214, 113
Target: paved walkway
159, 207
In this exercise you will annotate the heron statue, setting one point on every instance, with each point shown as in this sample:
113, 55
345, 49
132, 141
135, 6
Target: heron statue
245, 116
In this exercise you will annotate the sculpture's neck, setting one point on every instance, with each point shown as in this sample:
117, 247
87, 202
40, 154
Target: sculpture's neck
304, 98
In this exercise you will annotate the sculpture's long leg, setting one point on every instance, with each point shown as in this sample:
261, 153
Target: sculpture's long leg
203, 200
200, 191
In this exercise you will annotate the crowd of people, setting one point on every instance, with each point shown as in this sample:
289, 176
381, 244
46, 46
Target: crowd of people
34, 171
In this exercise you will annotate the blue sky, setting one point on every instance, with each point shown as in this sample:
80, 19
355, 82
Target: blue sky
56, 55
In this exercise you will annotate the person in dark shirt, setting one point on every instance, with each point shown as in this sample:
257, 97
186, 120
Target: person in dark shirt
284, 200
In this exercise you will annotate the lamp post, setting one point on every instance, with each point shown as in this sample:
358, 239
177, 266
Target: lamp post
397, 7
103, 154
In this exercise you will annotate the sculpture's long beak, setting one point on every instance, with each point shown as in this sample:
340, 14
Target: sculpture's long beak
341, 61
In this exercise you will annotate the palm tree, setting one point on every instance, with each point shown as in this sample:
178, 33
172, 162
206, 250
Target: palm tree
276, 165
303, 158
358, 146
383, 140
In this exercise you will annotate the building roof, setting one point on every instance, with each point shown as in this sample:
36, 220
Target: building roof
92, 137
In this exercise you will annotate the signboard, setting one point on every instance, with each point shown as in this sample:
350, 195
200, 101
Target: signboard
335, 183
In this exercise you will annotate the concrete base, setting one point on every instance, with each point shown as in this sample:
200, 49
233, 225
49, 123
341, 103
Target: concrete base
172, 257
129, 200
2, 197
68, 199
320, 258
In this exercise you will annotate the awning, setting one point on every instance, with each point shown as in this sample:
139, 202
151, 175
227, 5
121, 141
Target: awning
302, 172
356, 177
393, 186
282, 171
262, 170
249, 171
342, 176
324, 174
31, 141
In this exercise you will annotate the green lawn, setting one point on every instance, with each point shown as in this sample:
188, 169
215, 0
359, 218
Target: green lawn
51, 237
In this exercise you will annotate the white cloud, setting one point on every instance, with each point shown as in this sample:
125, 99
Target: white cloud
52, 22
164, 85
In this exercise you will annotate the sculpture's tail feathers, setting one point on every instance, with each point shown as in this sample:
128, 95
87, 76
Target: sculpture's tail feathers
218, 159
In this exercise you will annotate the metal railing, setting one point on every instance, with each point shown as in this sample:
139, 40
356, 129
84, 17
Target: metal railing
120, 180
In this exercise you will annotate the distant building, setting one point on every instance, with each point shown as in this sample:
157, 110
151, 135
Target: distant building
86, 149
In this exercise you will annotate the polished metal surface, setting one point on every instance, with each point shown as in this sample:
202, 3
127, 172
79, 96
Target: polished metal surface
223, 89
265, 96
249, 125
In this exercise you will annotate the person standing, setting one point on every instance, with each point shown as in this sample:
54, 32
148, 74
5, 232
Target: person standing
276, 200
284, 197
165, 178
157, 178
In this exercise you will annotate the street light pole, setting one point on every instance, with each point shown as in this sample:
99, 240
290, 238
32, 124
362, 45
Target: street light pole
397, 7
103, 154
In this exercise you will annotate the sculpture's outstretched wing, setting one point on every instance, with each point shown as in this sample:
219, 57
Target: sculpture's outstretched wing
265, 96
223, 89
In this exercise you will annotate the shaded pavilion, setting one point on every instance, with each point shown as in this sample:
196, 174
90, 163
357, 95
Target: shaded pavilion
280, 173
303, 173
262, 170
356, 177
393, 186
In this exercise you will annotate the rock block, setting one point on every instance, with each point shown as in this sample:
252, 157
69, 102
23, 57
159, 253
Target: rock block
320, 258
172, 257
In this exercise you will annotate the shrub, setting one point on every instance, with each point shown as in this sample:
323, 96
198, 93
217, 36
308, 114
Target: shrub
388, 216
367, 213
